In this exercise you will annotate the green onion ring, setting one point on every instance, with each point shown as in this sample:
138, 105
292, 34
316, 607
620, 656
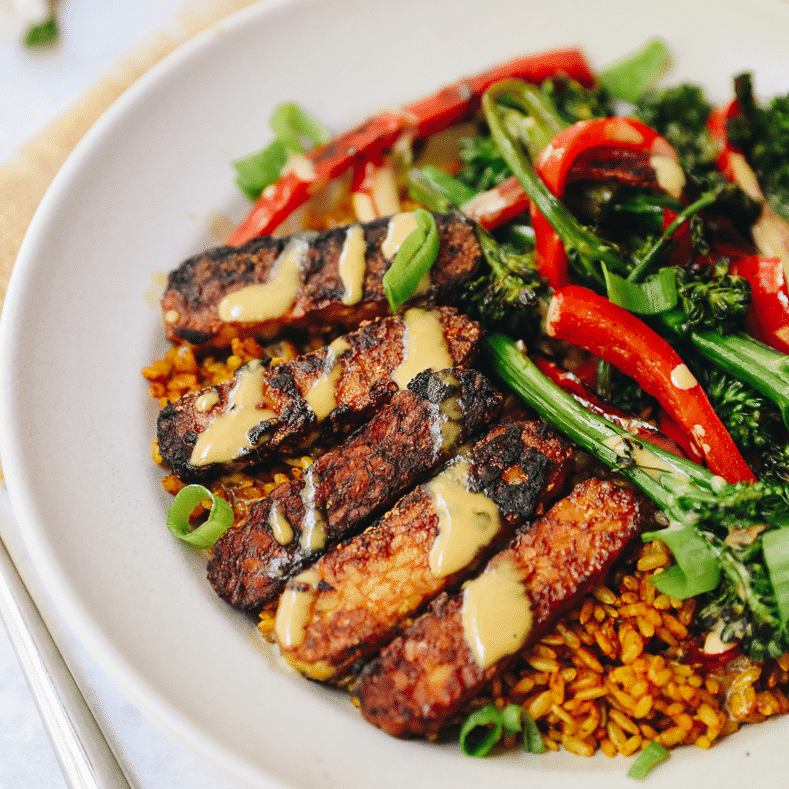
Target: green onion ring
413, 260
481, 731
220, 518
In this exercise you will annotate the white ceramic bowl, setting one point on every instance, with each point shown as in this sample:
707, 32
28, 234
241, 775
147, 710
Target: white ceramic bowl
136, 198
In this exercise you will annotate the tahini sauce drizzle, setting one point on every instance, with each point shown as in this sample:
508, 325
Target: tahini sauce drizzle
353, 265
313, 533
227, 436
424, 346
322, 395
272, 299
294, 609
496, 614
467, 521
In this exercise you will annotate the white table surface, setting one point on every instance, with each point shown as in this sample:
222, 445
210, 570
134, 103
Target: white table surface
35, 88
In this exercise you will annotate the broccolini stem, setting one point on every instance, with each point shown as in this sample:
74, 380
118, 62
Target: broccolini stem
584, 247
659, 474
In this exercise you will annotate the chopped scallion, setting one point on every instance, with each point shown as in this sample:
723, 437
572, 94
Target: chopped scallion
775, 547
696, 569
532, 739
446, 185
656, 294
413, 260
481, 731
630, 78
220, 518
646, 761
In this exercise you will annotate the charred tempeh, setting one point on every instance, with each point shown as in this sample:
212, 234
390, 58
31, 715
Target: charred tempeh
352, 600
425, 677
263, 410
329, 280
343, 490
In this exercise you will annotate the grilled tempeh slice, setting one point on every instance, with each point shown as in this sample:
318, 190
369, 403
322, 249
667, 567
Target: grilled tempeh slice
447, 656
343, 490
264, 410
329, 280
352, 600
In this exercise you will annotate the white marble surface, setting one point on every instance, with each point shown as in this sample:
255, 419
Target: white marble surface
36, 87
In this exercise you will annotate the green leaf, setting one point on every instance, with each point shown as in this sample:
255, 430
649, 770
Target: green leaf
254, 173
630, 78
656, 294
294, 126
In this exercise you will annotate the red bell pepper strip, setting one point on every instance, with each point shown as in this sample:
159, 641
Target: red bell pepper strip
768, 314
624, 149
676, 434
498, 205
420, 119
573, 385
582, 317
770, 231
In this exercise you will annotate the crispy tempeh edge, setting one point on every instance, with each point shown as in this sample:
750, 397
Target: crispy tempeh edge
343, 490
360, 592
363, 367
423, 679
190, 304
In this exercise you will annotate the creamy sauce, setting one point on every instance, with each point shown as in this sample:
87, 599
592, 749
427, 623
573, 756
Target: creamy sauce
683, 378
301, 167
313, 532
206, 402
272, 299
227, 437
669, 174
424, 346
400, 227
496, 614
353, 265
467, 522
295, 609
280, 526
322, 396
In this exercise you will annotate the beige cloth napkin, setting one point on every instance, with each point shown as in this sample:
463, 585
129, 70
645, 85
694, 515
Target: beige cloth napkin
26, 177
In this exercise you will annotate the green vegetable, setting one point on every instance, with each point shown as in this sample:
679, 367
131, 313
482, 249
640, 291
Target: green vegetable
295, 131
775, 546
42, 34
220, 518
430, 178
413, 260
762, 133
630, 78
701, 508
485, 726
646, 761
655, 294
481, 731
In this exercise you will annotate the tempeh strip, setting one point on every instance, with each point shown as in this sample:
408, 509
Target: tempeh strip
351, 601
424, 678
314, 282
343, 490
264, 410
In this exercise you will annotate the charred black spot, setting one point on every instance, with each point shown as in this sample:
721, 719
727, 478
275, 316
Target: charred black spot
192, 336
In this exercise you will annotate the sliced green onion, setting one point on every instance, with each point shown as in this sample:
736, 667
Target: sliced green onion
630, 78
532, 739
294, 126
775, 547
646, 761
255, 172
220, 518
413, 260
511, 718
446, 185
656, 294
696, 570
43, 34
481, 731
295, 131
